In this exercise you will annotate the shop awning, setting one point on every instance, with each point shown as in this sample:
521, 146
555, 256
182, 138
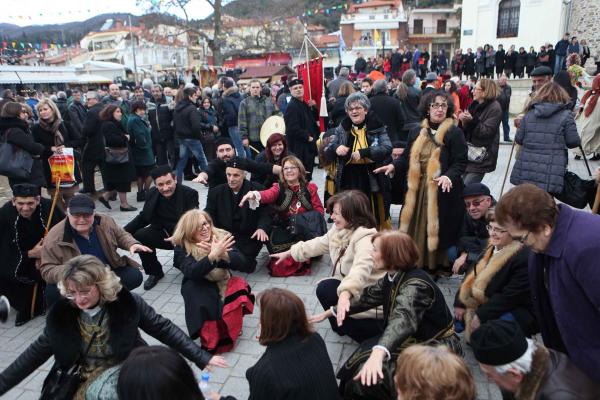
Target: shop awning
247, 80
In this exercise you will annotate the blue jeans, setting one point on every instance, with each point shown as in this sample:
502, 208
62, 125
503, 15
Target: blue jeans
505, 126
558, 63
187, 146
234, 135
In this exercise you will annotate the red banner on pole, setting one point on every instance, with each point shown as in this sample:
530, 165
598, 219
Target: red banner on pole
313, 88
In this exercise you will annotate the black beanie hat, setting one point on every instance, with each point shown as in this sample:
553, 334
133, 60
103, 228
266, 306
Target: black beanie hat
223, 140
498, 342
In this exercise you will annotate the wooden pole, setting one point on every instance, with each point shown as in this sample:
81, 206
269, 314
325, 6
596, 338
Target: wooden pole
307, 65
596, 201
512, 149
50, 215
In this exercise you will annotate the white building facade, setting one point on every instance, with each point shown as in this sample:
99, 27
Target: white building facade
512, 22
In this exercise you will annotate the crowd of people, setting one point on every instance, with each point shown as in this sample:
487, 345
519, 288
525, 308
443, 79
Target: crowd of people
529, 263
484, 61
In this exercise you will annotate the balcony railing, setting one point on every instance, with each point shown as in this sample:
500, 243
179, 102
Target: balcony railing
428, 30
380, 17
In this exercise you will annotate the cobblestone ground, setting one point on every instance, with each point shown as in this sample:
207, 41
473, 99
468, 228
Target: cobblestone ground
167, 300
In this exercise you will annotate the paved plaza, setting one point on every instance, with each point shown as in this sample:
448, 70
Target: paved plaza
167, 300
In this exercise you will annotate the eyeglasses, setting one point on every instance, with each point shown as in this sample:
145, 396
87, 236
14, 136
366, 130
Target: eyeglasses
494, 229
436, 106
474, 203
521, 239
289, 169
84, 294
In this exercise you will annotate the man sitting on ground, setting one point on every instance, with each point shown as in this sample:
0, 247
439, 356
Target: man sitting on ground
215, 174
165, 203
249, 227
23, 220
473, 235
85, 232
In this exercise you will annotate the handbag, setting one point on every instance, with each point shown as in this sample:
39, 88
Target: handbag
116, 155
576, 192
476, 154
309, 225
15, 162
62, 384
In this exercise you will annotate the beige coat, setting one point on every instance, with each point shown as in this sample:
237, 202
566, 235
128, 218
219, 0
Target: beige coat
59, 247
354, 268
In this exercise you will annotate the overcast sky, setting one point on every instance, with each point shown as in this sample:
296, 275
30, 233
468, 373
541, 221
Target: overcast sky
40, 12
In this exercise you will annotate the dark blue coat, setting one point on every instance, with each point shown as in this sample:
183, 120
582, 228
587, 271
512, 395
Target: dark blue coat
564, 282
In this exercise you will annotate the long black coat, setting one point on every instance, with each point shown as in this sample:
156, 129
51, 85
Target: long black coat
20, 137
46, 138
201, 296
18, 272
161, 120
114, 135
185, 199
453, 159
94, 146
300, 124
126, 315
293, 369
389, 110
220, 205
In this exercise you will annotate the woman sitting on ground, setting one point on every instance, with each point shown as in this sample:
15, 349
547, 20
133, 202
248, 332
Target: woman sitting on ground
290, 197
205, 254
274, 153
414, 311
295, 364
349, 245
96, 306
498, 286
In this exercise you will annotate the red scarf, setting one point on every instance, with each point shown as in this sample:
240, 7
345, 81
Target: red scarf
594, 93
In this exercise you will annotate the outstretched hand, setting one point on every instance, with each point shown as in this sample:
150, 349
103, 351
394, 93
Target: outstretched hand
386, 169
444, 182
281, 256
137, 248
247, 197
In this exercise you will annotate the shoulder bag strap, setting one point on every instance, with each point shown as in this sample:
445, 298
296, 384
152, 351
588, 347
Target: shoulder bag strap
342, 252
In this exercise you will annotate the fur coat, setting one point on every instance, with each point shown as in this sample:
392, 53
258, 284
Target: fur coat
499, 284
450, 159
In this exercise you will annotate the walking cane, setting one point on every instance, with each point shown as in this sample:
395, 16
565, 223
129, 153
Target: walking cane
50, 215
585, 160
512, 149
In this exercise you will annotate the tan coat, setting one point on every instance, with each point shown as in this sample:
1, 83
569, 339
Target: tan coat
59, 247
354, 268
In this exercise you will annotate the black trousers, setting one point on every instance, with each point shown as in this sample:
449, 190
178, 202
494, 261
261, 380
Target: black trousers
20, 296
358, 329
249, 248
166, 152
153, 237
130, 278
88, 168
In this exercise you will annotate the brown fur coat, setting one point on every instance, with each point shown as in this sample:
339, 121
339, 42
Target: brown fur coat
414, 177
472, 290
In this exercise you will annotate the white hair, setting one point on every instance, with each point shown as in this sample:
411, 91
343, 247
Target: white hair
521, 364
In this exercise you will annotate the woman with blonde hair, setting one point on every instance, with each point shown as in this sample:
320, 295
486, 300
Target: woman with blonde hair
546, 131
95, 325
433, 373
55, 134
205, 255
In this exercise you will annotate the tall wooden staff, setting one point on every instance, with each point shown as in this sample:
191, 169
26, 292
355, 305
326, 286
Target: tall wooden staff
50, 215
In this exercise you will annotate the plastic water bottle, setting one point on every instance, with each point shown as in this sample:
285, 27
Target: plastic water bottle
204, 386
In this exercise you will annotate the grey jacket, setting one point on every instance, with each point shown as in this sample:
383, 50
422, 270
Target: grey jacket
545, 133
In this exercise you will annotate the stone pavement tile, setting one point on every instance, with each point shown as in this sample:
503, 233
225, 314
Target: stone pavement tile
236, 387
244, 362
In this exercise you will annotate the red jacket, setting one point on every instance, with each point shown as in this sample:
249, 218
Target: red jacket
270, 196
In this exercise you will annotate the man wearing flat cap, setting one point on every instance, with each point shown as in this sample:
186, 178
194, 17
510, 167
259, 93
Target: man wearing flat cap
301, 126
23, 220
540, 76
527, 369
249, 227
85, 232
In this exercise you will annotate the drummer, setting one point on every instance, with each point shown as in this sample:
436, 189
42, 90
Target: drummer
253, 112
